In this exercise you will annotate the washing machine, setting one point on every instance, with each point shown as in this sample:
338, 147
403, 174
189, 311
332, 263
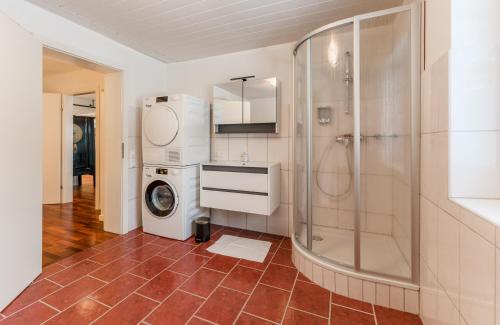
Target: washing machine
175, 130
171, 200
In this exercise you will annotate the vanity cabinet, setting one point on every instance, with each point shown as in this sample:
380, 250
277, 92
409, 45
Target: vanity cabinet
251, 187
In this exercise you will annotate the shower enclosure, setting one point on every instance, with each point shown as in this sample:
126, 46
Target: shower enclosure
356, 144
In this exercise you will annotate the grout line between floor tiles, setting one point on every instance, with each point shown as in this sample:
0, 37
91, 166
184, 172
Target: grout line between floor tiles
307, 312
188, 277
290, 298
141, 277
354, 309
93, 277
218, 271
259, 317
60, 285
154, 300
374, 314
73, 304
290, 267
99, 302
274, 287
213, 291
190, 293
179, 286
330, 308
203, 319
257, 284
50, 306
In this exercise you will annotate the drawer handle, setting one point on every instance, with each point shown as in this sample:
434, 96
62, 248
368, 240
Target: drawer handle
236, 169
234, 191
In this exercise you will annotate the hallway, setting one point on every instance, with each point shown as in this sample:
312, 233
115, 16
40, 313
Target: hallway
72, 227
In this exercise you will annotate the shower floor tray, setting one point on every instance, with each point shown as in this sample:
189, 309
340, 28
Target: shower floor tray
379, 253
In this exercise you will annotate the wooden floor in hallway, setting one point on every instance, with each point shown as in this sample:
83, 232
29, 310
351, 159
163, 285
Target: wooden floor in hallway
72, 227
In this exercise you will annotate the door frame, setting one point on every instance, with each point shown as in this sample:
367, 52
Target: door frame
107, 68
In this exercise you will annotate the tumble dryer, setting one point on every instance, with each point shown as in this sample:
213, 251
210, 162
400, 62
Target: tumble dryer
175, 130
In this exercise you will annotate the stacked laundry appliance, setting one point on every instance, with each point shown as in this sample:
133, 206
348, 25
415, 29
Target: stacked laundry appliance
175, 140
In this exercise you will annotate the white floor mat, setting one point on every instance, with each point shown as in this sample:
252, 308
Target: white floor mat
248, 249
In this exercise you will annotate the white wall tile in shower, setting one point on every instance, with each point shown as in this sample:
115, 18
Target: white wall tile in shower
257, 149
236, 147
369, 292
478, 224
411, 301
278, 151
219, 217
396, 298
325, 217
475, 108
477, 278
256, 222
475, 164
220, 148
377, 157
355, 288
284, 186
429, 233
341, 286
448, 254
284, 119
382, 294
329, 280
317, 274
237, 219
379, 223
379, 194
277, 223
306, 267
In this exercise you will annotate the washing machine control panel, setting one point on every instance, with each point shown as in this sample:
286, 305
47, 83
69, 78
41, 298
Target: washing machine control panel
162, 171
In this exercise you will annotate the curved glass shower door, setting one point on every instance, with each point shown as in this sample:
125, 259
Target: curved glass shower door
356, 143
300, 81
333, 206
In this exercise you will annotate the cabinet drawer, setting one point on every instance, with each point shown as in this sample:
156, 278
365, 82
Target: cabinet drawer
244, 202
252, 182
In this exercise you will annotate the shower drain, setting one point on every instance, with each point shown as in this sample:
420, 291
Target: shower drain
317, 238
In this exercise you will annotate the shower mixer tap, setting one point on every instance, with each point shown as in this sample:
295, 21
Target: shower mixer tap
347, 139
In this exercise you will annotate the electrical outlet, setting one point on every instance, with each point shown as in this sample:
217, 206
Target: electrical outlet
219, 155
132, 158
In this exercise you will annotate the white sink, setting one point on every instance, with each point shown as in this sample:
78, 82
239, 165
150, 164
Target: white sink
242, 164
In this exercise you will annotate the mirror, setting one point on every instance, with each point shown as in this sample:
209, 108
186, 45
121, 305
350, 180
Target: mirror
249, 106
228, 103
259, 101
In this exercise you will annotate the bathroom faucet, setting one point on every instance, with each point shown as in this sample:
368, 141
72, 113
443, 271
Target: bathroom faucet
244, 157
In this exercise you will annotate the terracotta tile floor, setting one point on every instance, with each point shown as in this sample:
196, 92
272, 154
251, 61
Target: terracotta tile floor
143, 279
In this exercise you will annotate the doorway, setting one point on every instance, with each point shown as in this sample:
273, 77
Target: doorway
75, 133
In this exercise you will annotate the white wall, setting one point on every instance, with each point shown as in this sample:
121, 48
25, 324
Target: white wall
142, 76
475, 99
21, 160
197, 77
460, 255
51, 148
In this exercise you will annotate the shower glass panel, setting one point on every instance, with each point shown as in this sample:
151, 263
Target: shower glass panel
385, 125
301, 147
332, 145
356, 143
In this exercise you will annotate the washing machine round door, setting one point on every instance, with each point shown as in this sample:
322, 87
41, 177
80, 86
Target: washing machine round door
160, 125
161, 199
